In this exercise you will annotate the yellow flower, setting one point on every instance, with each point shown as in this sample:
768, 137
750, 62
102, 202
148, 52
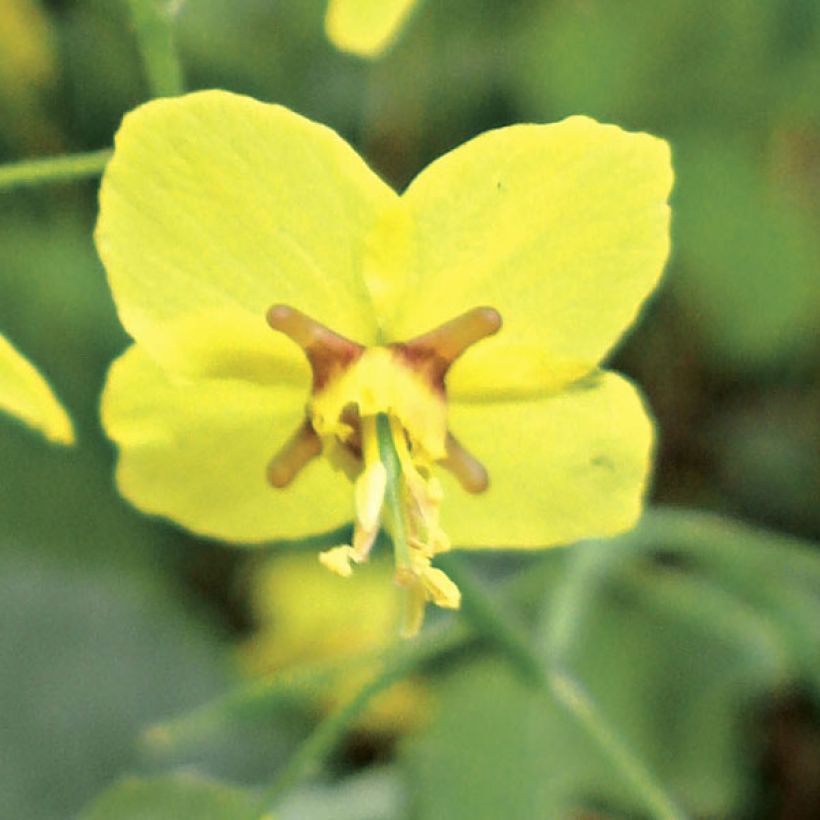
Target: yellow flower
24, 393
218, 212
366, 27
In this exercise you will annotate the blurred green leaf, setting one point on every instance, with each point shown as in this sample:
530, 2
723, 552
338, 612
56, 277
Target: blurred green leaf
174, 797
375, 794
677, 657
746, 258
86, 661
484, 753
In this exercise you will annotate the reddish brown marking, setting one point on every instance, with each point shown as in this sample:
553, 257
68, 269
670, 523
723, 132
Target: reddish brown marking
330, 354
433, 353
327, 352
425, 361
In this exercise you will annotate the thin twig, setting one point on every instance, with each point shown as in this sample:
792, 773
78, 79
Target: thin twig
53, 169
310, 756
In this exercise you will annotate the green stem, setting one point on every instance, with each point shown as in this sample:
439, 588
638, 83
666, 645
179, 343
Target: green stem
309, 757
742, 552
586, 565
571, 695
247, 702
392, 465
498, 627
53, 169
488, 620
153, 22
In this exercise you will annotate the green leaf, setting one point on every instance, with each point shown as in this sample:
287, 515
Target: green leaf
486, 752
88, 659
675, 656
746, 258
174, 797
375, 794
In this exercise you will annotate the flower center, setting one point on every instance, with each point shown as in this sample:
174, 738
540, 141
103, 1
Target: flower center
380, 415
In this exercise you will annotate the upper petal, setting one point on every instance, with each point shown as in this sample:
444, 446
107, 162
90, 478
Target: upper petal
570, 466
365, 27
25, 394
196, 451
217, 205
562, 228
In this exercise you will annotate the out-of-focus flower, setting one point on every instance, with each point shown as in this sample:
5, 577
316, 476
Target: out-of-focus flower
28, 66
217, 211
24, 393
26, 46
307, 616
366, 27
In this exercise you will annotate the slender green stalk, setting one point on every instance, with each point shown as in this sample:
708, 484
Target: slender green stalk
53, 169
488, 620
392, 466
245, 702
154, 26
740, 551
586, 565
572, 696
499, 628
310, 756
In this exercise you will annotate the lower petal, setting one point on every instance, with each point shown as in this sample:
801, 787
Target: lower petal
570, 466
196, 451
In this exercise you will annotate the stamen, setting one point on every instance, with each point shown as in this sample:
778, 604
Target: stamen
451, 339
369, 490
326, 351
294, 454
465, 466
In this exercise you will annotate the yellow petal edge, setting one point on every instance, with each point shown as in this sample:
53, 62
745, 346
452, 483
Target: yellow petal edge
25, 394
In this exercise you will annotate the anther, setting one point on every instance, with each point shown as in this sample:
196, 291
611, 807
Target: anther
326, 351
303, 446
465, 467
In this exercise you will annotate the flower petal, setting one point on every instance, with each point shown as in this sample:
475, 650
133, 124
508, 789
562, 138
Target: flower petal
196, 451
365, 27
25, 394
218, 205
571, 466
562, 228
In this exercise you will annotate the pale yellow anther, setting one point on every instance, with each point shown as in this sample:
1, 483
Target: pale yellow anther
369, 499
415, 601
440, 589
337, 559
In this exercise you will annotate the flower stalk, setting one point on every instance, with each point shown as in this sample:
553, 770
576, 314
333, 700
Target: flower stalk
68, 168
153, 23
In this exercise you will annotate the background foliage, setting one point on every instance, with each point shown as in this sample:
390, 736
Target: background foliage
698, 638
